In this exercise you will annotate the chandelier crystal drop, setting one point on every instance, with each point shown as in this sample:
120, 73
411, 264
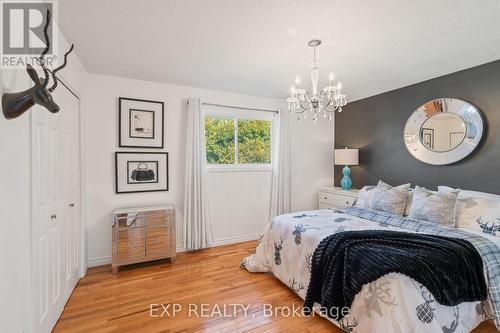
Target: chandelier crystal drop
319, 103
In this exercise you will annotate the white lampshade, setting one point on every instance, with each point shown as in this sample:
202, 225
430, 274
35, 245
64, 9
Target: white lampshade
346, 156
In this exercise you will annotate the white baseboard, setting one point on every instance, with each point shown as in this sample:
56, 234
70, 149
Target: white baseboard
180, 248
218, 242
99, 261
233, 240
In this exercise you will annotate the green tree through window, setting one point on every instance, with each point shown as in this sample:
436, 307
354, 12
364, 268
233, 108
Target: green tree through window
219, 140
254, 141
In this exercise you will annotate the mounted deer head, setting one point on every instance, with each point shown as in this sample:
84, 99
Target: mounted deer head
15, 104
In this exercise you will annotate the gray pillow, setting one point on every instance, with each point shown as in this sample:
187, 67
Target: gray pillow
434, 207
390, 199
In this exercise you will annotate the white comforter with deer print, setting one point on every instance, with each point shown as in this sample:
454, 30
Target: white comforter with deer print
393, 303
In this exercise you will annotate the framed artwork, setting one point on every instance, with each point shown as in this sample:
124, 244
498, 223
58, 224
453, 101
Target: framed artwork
140, 123
141, 172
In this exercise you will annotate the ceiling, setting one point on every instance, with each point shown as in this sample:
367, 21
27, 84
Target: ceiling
257, 47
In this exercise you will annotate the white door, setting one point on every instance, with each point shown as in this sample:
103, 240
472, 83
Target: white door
70, 161
56, 207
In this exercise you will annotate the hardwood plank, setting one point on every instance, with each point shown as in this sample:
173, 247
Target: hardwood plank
103, 302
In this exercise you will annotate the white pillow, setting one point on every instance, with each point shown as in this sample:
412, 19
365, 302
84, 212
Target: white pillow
364, 197
390, 199
476, 211
409, 201
434, 207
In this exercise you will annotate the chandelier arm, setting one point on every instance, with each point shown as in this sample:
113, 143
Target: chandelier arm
321, 95
308, 99
299, 108
331, 107
308, 95
335, 108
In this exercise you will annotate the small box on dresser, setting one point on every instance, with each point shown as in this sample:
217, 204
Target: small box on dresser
336, 197
143, 234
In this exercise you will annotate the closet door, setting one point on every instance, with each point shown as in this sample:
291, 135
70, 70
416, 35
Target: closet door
55, 203
70, 161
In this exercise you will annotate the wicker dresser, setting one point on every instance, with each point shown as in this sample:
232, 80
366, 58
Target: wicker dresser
142, 234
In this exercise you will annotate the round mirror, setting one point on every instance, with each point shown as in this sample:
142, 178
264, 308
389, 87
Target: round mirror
443, 131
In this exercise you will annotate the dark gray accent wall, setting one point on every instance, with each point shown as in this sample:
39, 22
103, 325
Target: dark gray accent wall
375, 126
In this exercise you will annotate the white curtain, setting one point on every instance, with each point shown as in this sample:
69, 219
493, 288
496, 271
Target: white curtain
282, 179
197, 228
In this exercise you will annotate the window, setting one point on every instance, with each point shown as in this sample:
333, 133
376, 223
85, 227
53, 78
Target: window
238, 140
219, 140
254, 141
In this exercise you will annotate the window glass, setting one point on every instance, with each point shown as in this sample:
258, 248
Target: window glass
219, 140
254, 141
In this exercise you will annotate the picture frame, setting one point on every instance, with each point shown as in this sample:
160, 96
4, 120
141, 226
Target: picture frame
140, 123
137, 172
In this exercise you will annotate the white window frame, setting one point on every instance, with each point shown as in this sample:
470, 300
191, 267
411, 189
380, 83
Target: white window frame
240, 114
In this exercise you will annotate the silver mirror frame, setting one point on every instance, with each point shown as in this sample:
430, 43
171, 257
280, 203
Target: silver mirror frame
474, 123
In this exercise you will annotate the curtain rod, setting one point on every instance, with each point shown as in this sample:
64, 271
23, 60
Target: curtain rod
239, 107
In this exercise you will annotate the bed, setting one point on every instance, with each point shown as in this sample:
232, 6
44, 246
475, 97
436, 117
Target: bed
394, 302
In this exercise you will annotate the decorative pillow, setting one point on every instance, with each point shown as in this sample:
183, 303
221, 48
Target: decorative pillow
435, 207
364, 197
389, 199
477, 213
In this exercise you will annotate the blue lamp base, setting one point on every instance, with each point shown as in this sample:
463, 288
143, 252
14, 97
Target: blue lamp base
346, 181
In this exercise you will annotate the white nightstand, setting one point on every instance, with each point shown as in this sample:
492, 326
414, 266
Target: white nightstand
336, 197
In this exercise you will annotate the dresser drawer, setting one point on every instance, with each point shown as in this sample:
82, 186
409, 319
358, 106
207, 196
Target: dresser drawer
158, 241
154, 219
323, 205
131, 220
131, 244
336, 199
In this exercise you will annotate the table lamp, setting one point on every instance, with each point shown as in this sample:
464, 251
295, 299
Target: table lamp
346, 157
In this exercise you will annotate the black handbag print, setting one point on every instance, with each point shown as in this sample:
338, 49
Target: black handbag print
143, 173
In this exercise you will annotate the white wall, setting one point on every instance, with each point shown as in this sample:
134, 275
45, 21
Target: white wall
15, 212
239, 202
312, 161
15, 147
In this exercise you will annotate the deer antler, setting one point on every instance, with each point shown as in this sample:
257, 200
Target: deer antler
54, 77
41, 59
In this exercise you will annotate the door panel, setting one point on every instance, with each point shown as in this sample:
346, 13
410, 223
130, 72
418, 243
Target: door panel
43, 280
56, 268
56, 228
46, 255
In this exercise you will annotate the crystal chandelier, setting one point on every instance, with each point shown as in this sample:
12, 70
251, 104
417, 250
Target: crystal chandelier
324, 102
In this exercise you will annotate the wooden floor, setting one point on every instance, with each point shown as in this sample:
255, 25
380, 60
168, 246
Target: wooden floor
103, 302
